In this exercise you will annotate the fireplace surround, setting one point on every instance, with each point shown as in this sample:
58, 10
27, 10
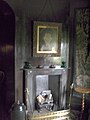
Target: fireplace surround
35, 80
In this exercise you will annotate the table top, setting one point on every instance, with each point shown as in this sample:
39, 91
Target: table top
82, 90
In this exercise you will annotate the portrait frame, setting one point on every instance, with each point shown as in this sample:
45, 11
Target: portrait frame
47, 39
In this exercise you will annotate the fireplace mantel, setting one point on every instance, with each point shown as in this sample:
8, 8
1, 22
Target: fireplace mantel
29, 78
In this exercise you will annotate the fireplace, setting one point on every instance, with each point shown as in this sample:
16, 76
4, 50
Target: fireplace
38, 80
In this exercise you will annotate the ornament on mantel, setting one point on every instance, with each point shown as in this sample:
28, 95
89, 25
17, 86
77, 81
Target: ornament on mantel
27, 65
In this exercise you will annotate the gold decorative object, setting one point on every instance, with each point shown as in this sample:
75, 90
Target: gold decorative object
58, 115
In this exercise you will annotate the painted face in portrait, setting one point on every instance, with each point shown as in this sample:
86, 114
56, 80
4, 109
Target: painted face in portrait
47, 38
48, 46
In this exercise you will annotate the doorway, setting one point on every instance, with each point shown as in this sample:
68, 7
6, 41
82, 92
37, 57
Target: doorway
7, 58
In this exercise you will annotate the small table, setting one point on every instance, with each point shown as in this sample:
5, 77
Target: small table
84, 91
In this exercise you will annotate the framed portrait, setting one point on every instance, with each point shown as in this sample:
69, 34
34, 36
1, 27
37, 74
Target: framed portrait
46, 38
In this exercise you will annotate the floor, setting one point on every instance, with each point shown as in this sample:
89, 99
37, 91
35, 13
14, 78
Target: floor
4, 113
75, 110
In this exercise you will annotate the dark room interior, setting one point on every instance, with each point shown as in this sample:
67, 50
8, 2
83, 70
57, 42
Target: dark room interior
45, 80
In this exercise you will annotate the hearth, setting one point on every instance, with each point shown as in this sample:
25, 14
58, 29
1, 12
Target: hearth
45, 89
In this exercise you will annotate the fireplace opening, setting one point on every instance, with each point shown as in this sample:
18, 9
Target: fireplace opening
46, 93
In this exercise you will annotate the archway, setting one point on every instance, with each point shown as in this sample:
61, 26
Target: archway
7, 59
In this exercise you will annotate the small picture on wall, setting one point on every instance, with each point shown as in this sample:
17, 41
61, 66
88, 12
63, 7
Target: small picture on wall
47, 38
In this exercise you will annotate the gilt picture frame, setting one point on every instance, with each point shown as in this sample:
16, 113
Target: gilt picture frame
46, 38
